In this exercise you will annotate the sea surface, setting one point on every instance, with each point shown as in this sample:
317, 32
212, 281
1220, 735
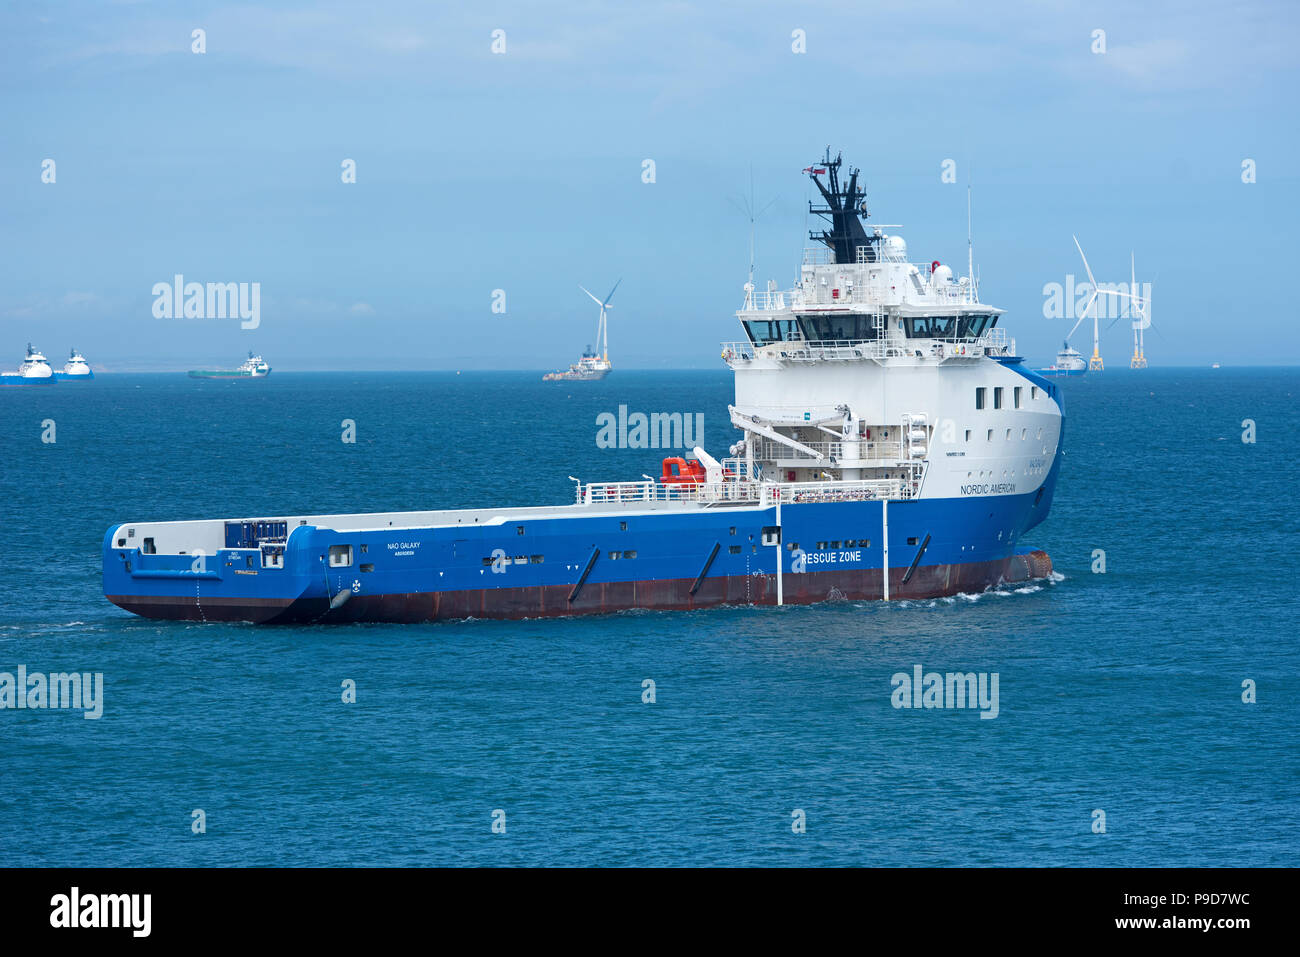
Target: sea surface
1119, 692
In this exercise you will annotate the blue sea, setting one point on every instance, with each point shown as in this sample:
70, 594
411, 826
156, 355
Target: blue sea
1120, 691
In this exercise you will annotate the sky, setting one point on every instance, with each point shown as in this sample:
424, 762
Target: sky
523, 171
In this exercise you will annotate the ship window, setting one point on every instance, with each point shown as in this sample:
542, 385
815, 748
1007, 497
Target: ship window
968, 435
1033, 392
930, 327
248, 561
537, 559
364, 549
971, 327
864, 543
911, 540
367, 566
615, 556
990, 435
848, 328
622, 526
821, 545
630, 553
997, 397
121, 542
734, 549
763, 331
732, 531
148, 548
792, 546
1024, 434
980, 392
835, 544
1008, 435
487, 562
519, 529
849, 542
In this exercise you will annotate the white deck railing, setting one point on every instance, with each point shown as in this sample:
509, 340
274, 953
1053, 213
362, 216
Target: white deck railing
863, 450
993, 343
763, 494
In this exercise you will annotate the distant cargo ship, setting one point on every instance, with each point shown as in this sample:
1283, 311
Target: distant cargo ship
254, 367
591, 366
76, 368
33, 370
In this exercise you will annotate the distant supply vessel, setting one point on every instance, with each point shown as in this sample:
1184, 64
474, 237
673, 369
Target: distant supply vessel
592, 365
33, 370
76, 368
892, 446
1069, 362
254, 367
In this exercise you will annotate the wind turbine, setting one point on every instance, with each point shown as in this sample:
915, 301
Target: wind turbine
1143, 320
1095, 362
602, 327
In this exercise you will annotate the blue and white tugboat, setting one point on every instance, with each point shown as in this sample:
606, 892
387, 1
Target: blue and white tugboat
891, 446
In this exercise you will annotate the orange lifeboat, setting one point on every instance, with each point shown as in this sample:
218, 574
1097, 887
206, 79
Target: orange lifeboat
680, 471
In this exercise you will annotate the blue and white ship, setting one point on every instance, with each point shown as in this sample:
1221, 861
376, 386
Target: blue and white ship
1069, 362
33, 370
76, 369
891, 446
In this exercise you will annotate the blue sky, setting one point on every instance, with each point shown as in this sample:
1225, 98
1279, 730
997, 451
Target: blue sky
522, 171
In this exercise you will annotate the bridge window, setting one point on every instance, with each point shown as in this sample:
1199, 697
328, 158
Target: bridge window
997, 397
849, 328
1017, 397
734, 549
972, 327
930, 327
763, 331
980, 393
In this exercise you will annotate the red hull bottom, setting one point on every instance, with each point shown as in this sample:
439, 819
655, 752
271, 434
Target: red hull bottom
551, 601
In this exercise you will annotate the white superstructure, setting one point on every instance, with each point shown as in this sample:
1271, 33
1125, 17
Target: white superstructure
876, 368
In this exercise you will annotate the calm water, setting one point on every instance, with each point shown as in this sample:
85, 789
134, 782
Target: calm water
1118, 691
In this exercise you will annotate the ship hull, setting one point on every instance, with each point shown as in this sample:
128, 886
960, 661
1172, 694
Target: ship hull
552, 601
566, 377
222, 374
665, 559
18, 381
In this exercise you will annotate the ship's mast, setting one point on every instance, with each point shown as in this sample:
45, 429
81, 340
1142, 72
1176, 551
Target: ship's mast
845, 208
970, 250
